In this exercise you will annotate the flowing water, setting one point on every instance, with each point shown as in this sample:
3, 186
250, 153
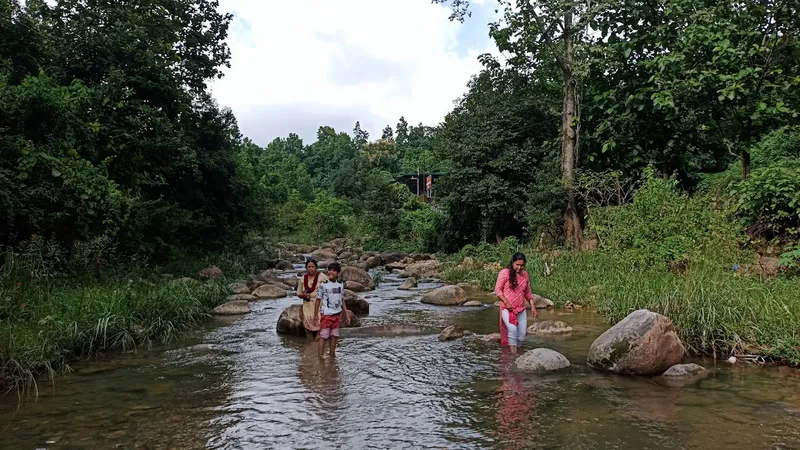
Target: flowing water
238, 385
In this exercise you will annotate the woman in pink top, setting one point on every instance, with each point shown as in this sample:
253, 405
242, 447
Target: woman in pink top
513, 288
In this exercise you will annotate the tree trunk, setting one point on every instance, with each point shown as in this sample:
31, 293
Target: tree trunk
573, 232
745, 164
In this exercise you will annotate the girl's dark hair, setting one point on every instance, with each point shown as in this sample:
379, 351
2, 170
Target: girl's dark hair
512, 274
312, 261
335, 267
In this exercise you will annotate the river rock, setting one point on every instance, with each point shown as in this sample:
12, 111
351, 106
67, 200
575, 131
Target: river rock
245, 297
549, 327
685, 371
643, 343
541, 302
269, 291
473, 303
268, 276
233, 308
372, 262
450, 333
292, 282
284, 265
240, 288
390, 257
355, 286
324, 254
360, 276
541, 360
409, 284
211, 272
355, 303
445, 296
399, 265
424, 269
289, 322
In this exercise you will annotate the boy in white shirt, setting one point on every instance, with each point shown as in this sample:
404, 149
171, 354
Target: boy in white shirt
330, 298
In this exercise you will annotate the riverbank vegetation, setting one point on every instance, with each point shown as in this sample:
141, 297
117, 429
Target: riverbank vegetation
665, 136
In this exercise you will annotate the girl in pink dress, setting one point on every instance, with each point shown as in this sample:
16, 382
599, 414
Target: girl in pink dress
514, 290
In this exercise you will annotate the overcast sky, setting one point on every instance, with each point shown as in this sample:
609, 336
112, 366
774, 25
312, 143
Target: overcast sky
299, 64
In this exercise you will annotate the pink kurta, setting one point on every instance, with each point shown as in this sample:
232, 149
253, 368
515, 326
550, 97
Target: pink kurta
517, 297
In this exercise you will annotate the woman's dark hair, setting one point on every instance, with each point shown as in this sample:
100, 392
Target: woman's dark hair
312, 261
512, 274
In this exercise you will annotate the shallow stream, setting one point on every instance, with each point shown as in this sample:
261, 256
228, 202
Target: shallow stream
238, 385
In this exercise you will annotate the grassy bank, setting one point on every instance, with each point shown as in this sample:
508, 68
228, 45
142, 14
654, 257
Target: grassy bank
715, 311
48, 321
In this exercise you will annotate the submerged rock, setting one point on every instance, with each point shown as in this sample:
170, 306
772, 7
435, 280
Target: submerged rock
494, 337
549, 327
233, 308
541, 360
473, 303
685, 371
391, 330
270, 291
445, 296
450, 333
643, 343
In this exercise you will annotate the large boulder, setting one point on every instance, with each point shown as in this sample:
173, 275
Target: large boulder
409, 284
424, 269
284, 265
233, 308
211, 272
355, 303
643, 343
324, 254
292, 282
541, 360
269, 291
445, 296
350, 273
355, 286
549, 327
289, 322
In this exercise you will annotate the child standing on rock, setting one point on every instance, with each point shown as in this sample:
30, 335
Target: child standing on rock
330, 299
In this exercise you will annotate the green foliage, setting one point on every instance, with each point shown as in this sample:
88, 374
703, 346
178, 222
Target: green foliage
769, 200
324, 218
790, 261
663, 225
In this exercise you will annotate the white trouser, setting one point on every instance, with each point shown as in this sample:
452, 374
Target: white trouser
516, 333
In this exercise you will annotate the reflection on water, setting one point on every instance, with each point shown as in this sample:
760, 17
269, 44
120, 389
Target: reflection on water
237, 385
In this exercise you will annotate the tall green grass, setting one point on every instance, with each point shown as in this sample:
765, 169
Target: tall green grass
46, 322
716, 311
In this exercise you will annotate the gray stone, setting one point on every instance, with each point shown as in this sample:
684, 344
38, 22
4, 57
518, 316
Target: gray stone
541, 302
239, 288
233, 308
541, 360
360, 276
685, 371
473, 303
643, 343
270, 291
445, 296
408, 284
450, 333
245, 297
549, 327
355, 303
355, 286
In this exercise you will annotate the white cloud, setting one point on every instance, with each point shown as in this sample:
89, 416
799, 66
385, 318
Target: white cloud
367, 60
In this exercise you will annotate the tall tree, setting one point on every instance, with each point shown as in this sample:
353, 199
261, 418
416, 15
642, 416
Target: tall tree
388, 133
